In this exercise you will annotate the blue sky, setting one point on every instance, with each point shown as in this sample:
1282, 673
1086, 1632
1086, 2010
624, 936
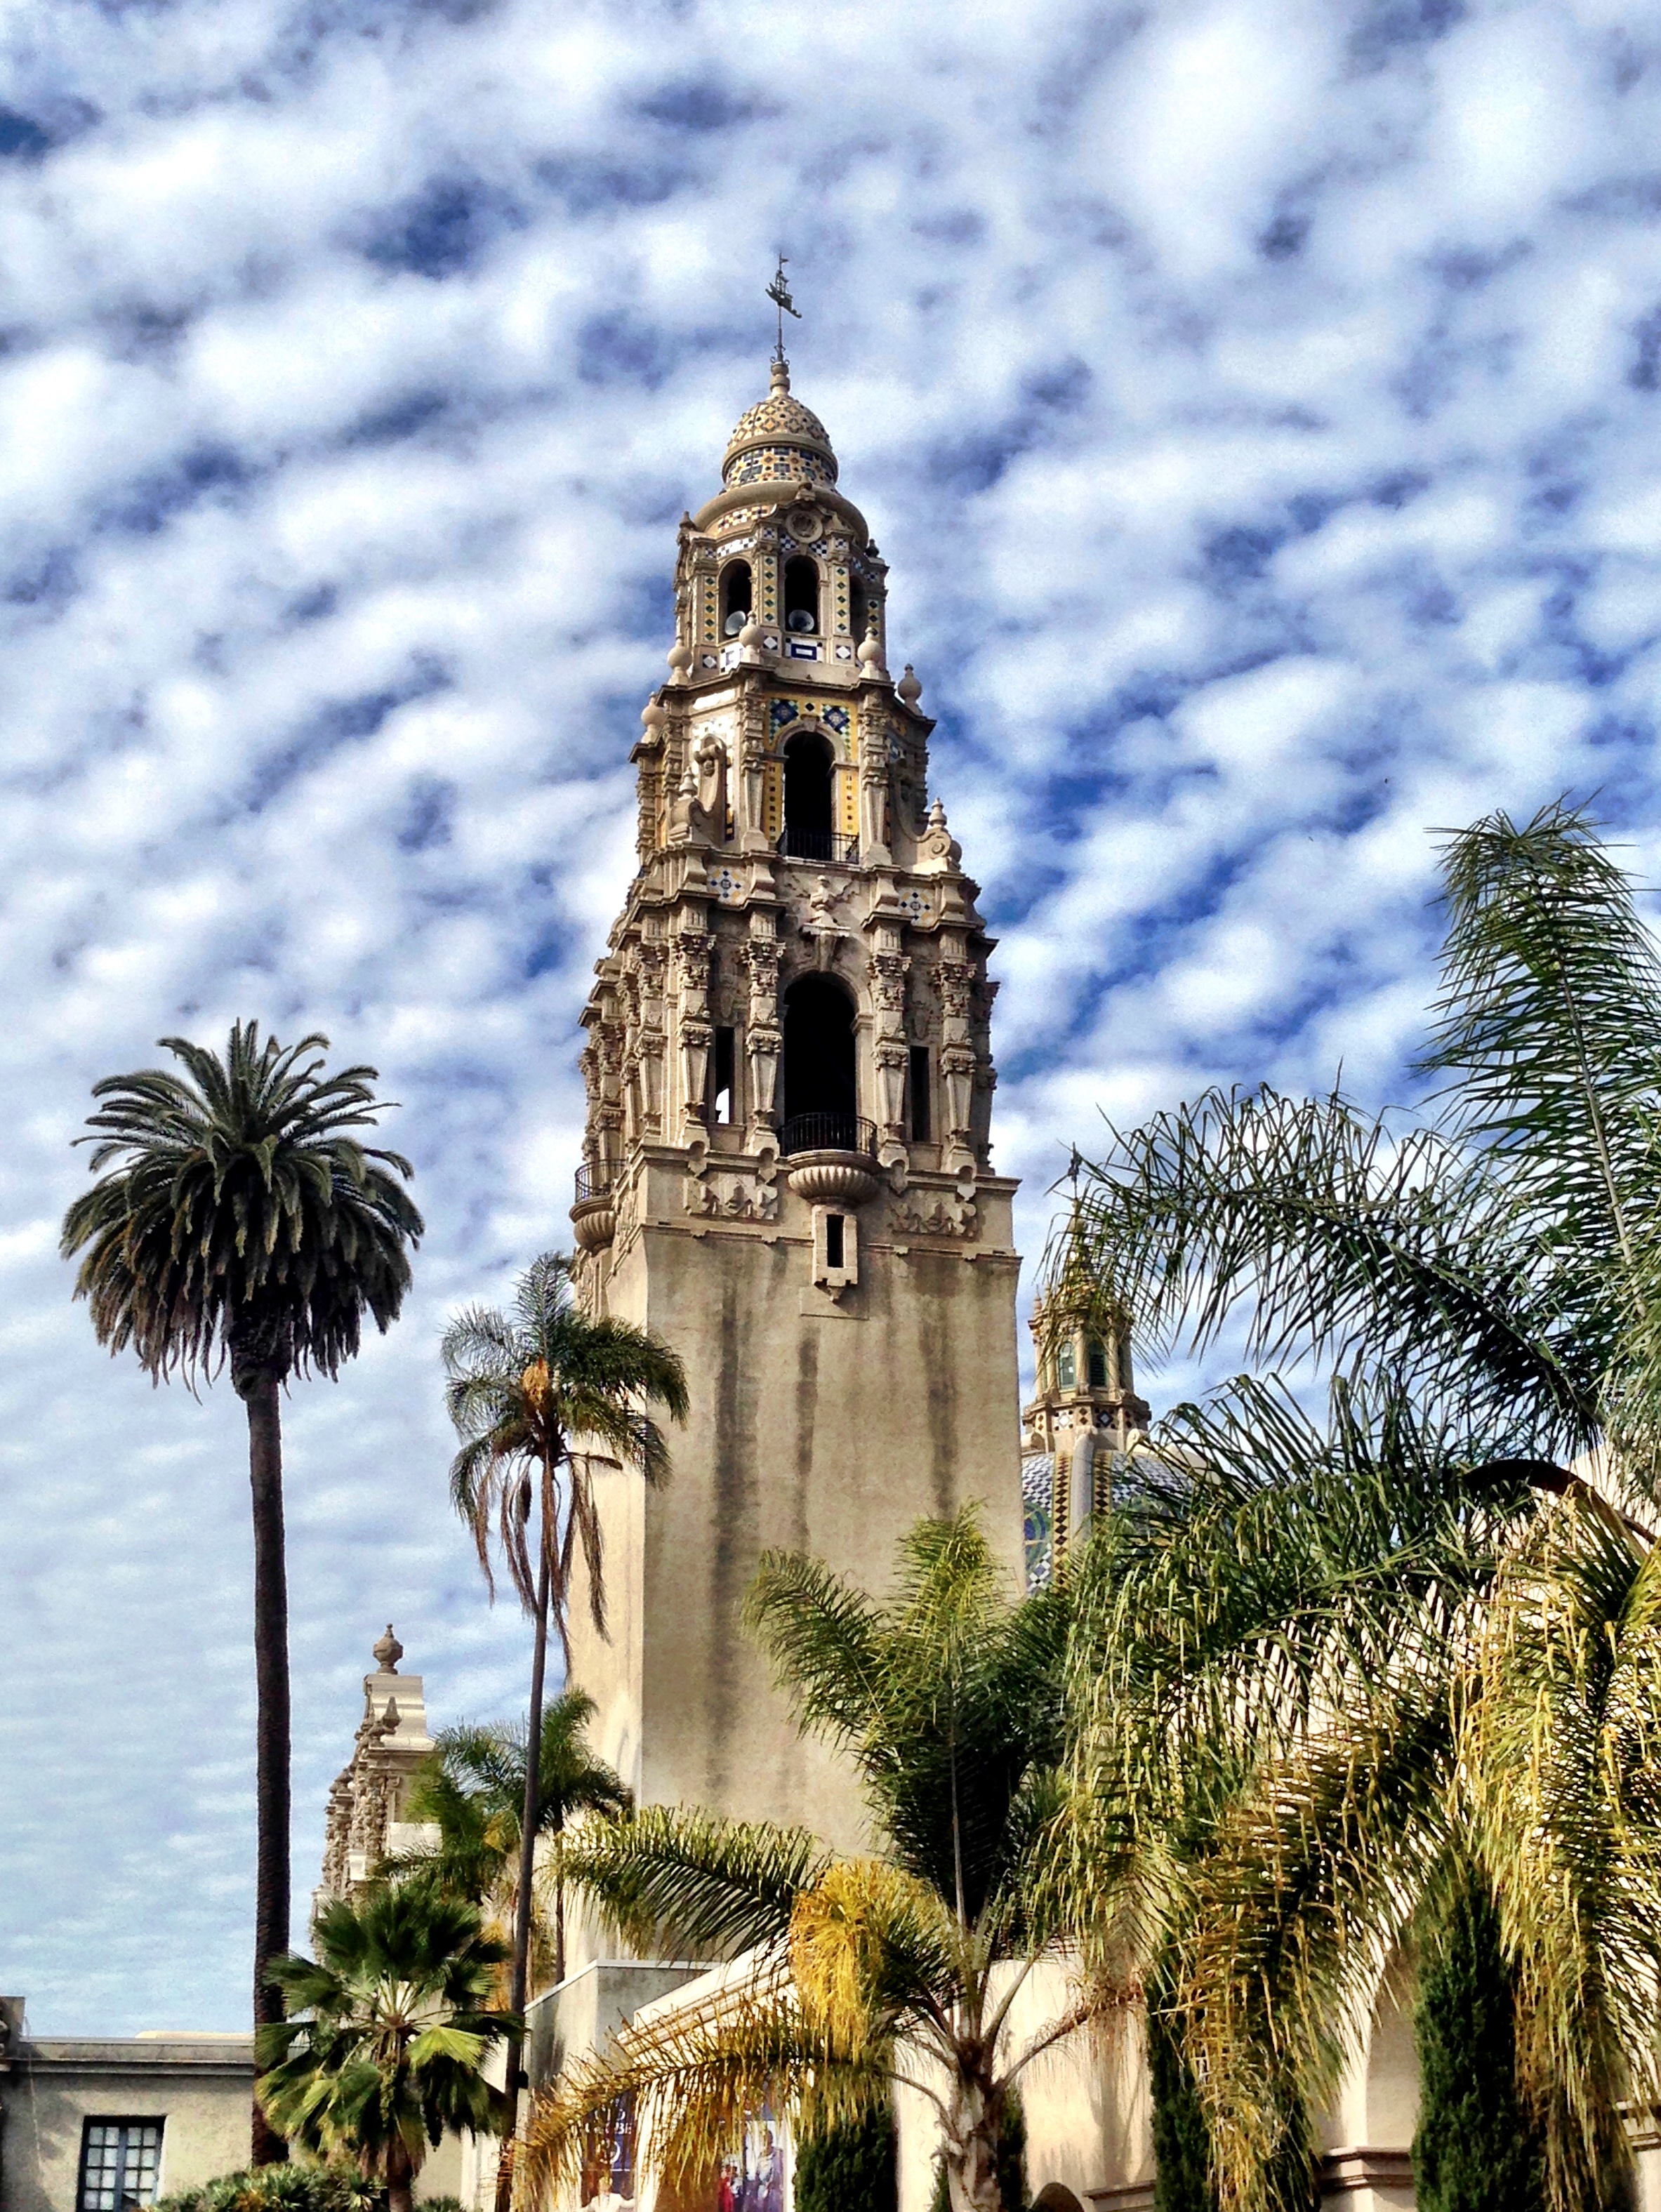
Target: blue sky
1257, 402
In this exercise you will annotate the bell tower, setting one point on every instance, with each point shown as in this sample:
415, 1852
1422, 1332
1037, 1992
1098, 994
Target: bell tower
787, 1170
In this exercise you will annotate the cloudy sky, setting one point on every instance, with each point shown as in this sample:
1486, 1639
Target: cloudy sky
1258, 402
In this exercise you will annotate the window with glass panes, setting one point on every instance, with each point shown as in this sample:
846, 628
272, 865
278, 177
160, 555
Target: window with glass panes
120, 2160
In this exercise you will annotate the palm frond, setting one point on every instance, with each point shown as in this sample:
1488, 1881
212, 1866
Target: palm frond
1563, 1741
706, 1886
1344, 1243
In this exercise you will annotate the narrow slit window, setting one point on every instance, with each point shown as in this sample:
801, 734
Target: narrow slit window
920, 1094
833, 1243
722, 1063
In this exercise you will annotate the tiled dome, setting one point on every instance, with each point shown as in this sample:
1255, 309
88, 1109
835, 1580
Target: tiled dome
777, 437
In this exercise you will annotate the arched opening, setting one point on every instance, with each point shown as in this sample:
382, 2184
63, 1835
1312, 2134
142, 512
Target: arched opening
801, 592
736, 591
1056, 2196
820, 1094
859, 609
809, 814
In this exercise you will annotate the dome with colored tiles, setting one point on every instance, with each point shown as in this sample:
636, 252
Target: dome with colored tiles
779, 438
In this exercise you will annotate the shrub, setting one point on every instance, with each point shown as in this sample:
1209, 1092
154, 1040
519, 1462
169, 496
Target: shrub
1477, 2145
849, 2168
290, 2188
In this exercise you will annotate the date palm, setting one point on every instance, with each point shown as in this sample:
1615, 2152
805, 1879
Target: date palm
242, 1218
389, 2031
1487, 1288
856, 1974
540, 1395
473, 1791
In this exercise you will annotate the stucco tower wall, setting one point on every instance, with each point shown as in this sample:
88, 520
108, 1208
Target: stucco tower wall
828, 1426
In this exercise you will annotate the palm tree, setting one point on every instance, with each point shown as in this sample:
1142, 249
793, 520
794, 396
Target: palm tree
390, 2029
472, 1790
245, 1218
856, 1974
529, 1391
1488, 1289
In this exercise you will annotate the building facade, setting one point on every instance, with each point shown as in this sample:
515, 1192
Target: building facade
787, 1170
103, 2124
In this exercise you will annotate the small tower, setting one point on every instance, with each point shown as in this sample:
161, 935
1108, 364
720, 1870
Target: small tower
1085, 1409
788, 1168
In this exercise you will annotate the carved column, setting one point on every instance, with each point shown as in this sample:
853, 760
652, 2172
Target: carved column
650, 959
889, 969
956, 977
764, 1039
752, 761
692, 946
873, 780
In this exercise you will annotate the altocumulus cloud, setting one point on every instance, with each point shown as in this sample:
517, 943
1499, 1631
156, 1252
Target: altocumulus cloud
1258, 402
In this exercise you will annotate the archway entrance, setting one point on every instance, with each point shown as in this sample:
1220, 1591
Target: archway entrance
821, 1100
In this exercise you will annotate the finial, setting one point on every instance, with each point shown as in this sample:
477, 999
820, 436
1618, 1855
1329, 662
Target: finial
681, 657
779, 293
387, 1652
653, 715
907, 687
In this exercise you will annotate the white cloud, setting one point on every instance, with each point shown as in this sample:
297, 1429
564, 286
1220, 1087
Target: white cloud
1258, 405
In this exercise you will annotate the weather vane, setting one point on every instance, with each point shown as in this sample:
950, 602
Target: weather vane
779, 293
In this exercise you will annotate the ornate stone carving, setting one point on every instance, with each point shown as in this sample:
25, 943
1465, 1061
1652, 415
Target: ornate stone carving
730, 1198
933, 1214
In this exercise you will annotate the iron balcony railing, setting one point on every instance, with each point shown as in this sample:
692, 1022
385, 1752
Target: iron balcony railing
828, 1133
818, 845
593, 1179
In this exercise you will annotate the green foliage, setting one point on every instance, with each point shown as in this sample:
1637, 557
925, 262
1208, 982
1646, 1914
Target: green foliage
520, 1385
473, 1791
1182, 2140
1315, 1661
389, 2033
1477, 2144
245, 1214
848, 2166
292, 2187
948, 1698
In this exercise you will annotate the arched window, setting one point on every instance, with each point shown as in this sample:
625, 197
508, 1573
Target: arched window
820, 1097
801, 592
1097, 1364
735, 597
808, 815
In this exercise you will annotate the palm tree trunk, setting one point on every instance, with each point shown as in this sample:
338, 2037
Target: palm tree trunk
400, 2178
270, 1647
527, 1849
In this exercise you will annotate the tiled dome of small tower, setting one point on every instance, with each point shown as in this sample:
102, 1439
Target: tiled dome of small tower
779, 441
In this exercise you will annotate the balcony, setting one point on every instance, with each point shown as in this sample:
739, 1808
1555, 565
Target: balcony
830, 1158
594, 1217
593, 1179
828, 1133
795, 844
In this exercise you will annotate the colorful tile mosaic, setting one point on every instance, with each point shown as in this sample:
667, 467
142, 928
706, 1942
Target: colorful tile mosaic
780, 464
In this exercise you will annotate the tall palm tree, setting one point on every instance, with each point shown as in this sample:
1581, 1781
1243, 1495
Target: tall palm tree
390, 2029
539, 1397
861, 1973
1487, 1287
245, 1218
472, 1790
